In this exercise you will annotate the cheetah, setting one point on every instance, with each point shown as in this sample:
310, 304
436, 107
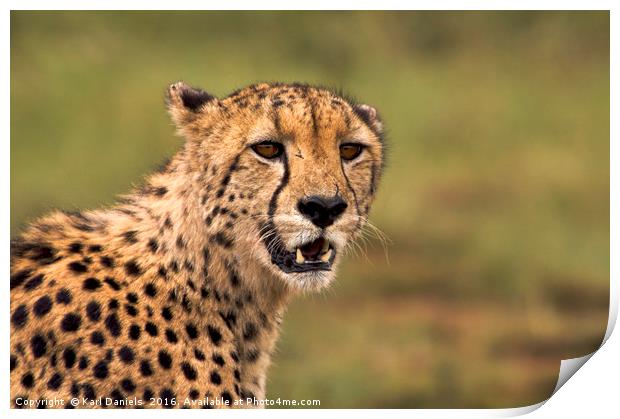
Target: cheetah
173, 297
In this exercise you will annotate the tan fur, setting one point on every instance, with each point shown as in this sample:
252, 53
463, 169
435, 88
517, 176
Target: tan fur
193, 234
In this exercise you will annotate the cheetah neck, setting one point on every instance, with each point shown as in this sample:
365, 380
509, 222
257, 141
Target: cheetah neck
202, 271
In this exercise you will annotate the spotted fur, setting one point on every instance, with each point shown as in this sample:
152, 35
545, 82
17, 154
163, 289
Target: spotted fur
174, 293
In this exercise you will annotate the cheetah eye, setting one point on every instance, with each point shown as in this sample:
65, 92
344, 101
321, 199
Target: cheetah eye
268, 149
350, 151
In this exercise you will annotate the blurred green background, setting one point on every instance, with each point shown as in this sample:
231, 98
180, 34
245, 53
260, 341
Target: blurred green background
496, 197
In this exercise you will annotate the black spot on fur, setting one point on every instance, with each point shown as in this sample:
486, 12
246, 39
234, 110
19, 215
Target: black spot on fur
160, 191
42, 306
55, 382
167, 397
19, 318
91, 284
64, 296
112, 283
38, 344
130, 236
100, 370
250, 331
180, 242
113, 325
222, 239
77, 267
75, 247
227, 398
117, 396
168, 223
89, 392
214, 335
107, 261
189, 266
200, 356
252, 355
113, 304
132, 268
28, 380
41, 253
150, 290
128, 385
215, 378
230, 318
151, 328
80, 221
126, 354
234, 279
34, 282
145, 368
189, 371
148, 394
162, 272
191, 330
171, 336
165, 360
166, 313
83, 364
186, 304
97, 338
71, 322
134, 332
69, 357
95, 248
131, 310
153, 246
93, 311
191, 285
19, 277
218, 359
132, 297
75, 389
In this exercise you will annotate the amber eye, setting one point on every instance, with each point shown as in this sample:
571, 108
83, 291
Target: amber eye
268, 149
349, 151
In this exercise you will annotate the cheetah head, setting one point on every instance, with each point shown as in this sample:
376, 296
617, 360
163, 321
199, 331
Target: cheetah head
298, 166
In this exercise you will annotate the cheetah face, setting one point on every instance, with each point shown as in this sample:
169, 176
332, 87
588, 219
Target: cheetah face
306, 161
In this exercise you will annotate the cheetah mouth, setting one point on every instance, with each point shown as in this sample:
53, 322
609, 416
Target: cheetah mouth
316, 255
317, 251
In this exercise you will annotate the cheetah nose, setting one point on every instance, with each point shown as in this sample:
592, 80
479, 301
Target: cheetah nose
322, 211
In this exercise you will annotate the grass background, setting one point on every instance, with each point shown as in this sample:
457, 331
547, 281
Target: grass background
496, 198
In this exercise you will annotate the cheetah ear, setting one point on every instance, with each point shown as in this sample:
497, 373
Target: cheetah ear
185, 103
370, 116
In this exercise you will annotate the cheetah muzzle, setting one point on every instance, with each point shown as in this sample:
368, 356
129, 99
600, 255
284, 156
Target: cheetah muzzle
176, 293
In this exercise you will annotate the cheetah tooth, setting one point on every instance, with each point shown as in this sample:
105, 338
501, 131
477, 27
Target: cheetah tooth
299, 258
325, 257
325, 246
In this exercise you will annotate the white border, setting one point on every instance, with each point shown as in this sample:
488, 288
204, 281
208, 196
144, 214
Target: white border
593, 392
